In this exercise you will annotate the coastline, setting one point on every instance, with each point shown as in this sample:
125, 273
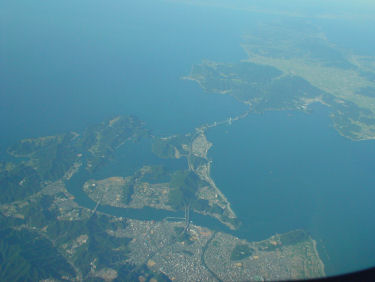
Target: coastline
204, 171
316, 253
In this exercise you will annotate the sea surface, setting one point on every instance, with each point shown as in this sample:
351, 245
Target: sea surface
291, 170
69, 64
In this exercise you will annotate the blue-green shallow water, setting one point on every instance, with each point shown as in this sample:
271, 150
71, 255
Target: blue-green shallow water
286, 170
134, 155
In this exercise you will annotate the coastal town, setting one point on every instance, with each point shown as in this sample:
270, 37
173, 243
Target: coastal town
91, 243
208, 255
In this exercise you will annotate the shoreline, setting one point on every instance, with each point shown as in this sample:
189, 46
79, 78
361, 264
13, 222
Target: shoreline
318, 257
206, 172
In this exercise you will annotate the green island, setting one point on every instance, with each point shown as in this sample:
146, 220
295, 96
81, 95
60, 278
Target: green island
289, 69
47, 234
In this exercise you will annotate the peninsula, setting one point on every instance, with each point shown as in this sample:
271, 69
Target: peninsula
288, 69
68, 239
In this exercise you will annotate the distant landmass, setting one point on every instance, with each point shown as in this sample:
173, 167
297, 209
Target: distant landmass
289, 70
48, 233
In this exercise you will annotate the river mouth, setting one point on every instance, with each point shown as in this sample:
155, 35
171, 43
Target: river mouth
131, 157
283, 181
79, 70
75, 184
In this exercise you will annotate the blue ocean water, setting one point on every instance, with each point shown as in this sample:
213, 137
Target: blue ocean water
288, 170
69, 64
359, 35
